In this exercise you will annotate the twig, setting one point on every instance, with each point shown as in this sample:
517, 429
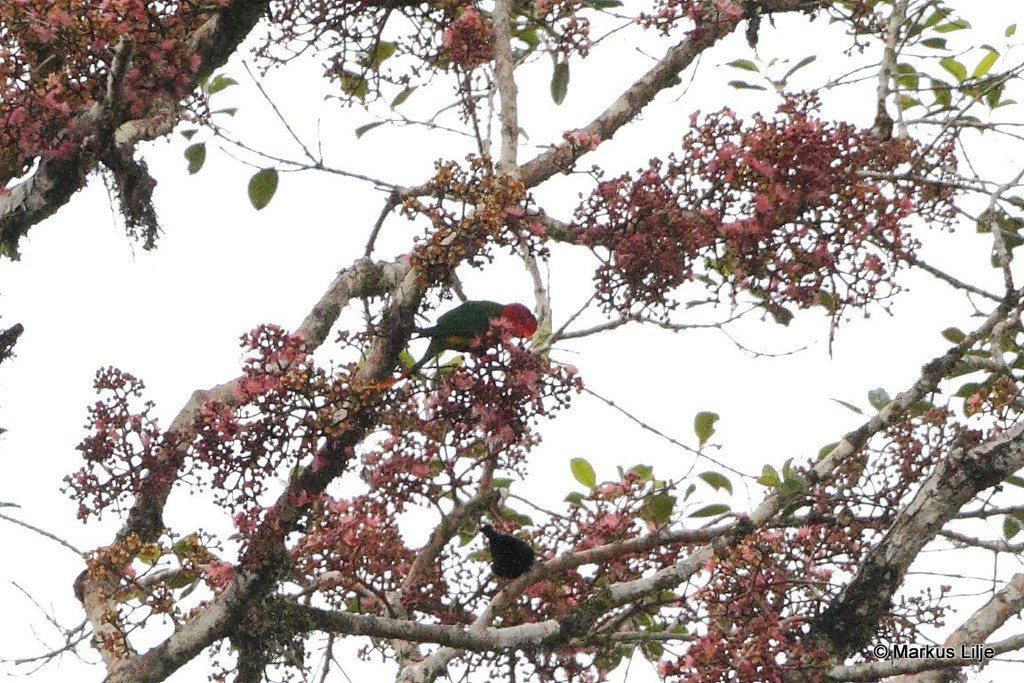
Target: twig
41, 532
280, 116
657, 432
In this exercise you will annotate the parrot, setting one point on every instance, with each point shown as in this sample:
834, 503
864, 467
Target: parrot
457, 329
510, 557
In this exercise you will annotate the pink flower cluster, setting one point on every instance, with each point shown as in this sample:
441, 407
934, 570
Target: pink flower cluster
469, 41
792, 209
60, 53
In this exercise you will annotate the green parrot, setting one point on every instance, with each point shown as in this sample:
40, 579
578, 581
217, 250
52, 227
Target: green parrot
456, 329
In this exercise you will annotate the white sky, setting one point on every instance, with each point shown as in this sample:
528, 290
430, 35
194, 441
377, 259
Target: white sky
88, 298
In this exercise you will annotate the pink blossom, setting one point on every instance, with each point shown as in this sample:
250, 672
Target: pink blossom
218, 575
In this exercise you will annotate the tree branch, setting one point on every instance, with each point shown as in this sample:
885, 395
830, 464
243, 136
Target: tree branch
504, 73
848, 623
56, 180
661, 76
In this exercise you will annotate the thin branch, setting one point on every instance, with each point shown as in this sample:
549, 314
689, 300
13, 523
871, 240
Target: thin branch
393, 200
989, 512
949, 279
887, 72
43, 533
643, 425
504, 74
541, 296
662, 76
280, 117
1000, 546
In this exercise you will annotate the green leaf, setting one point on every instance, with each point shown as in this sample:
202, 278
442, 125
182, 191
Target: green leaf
529, 36
985, 65
574, 498
716, 481
196, 157
191, 587
182, 579
942, 92
1014, 480
660, 507
652, 651
994, 96
955, 25
363, 130
826, 301
954, 67
354, 85
938, 15
150, 555
826, 449
799, 65
609, 659
849, 406
644, 471
787, 470
406, 359
744, 64
1010, 30
704, 425
403, 96
743, 85
380, 52
907, 76
969, 389
1011, 527
584, 473
792, 488
262, 187
878, 398
905, 102
190, 133
769, 477
780, 314
219, 83
986, 219
229, 111
185, 545
519, 518
954, 334
934, 43
689, 491
711, 510
919, 408
560, 82
602, 4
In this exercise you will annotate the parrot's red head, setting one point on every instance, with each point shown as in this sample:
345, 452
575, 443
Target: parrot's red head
520, 319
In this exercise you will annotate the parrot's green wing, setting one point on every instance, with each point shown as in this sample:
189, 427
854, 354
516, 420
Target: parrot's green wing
456, 329
469, 320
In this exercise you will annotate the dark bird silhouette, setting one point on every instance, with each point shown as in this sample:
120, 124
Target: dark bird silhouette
510, 557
